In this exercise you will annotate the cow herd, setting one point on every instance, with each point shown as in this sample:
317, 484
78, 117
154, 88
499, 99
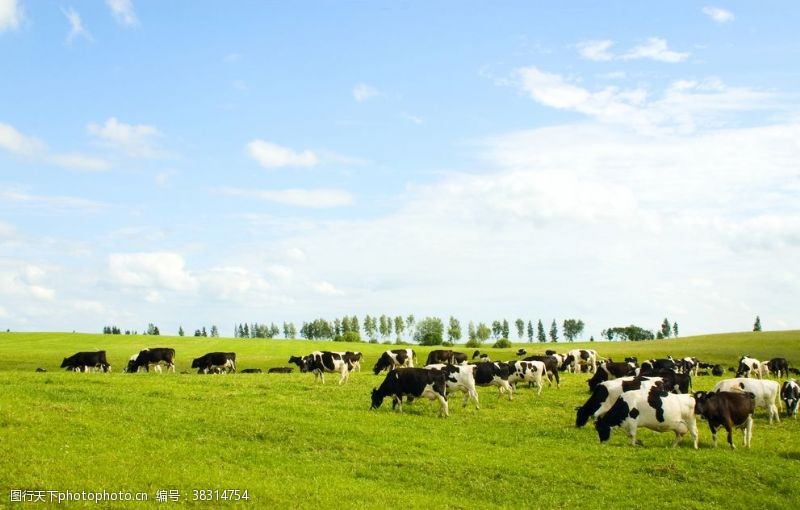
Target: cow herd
656, 394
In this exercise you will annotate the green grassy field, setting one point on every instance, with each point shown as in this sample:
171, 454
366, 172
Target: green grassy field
295, 444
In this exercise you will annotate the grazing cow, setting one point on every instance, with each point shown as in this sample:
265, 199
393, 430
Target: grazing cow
355, 359
530, 371
607, 370
280, 370
551, 362
494, 374
459, 378
749, 367
652, 366
654, 409
446, 356
251, 371
83, 361
729, 409
413, 383
320, 362
215, 362
765, 391
152, 356
778, 366
790, 394
394, 358
606, 393
578, 358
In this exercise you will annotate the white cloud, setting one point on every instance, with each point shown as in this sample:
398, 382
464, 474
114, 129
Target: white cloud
270, 155
655, 49
310, 198
683, 106
17, 143
11, 15
26, 281
6, 229
327, 289
152, 270
80, 162
362, 92
76, 26
235, 283
134, 140
596, 50
49, 204
123, 12
718, 14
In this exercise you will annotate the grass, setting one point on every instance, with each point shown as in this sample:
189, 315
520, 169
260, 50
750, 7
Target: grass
295, 444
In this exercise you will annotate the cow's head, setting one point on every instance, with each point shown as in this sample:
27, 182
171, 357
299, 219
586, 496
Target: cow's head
65, 363
197, 362
377, 399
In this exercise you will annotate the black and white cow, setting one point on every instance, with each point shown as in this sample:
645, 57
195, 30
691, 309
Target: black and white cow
251, 371
777, 366
459, 378
729, 409
152, 356
717, 370
85, 361
530, 371
765, 391
790, 394
494, 374
394, 358
521, 352
607, 370
412, 383
687, 365
280, 370
446, 356
654, 409
552, 363
606, 393
482, 356
749, 367
215, 362
577, 358
320, 362
651, 366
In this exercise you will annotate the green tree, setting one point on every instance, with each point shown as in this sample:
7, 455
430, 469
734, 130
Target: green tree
472, 336
180, 331
540, 336
520, 328
497, 329
666, 328
482, 332
573, 329
399, 326
214, 331
554, 332
370, 328
430, 331
410, 321
506, 332
530, 332
454, 331
675, 329
757, 324
384, 325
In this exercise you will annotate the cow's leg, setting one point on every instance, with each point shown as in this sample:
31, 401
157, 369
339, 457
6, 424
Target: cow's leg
539, 384
714, 428
773, 411
748, 431
474, 394
693, 432
443, 410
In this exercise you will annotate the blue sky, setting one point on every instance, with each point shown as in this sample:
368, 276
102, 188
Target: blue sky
188, 163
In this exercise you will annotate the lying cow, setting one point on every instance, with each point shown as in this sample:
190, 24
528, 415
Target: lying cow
152, 356
765, 392
729, 409
215, 362
84, 361
446, 356
654, 409
413, 383
251, 371
790, 394
459, 378
394, 358
280, 370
